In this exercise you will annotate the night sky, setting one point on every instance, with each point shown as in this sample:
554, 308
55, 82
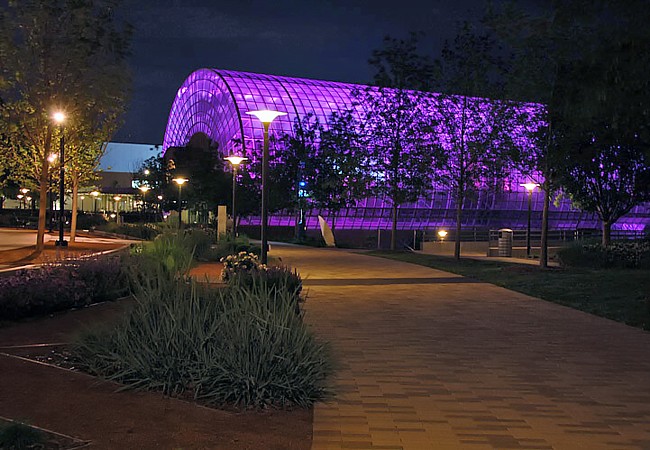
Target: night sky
327, 39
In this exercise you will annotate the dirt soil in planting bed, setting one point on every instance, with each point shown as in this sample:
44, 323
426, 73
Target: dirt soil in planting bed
89, 409
210, 271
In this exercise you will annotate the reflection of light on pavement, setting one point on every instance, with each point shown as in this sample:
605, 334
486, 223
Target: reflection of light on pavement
16, 239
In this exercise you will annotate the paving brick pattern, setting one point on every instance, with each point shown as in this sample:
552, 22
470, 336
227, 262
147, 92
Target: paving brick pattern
467, 365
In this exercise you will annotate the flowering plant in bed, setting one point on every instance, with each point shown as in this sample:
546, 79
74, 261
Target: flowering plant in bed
242, 262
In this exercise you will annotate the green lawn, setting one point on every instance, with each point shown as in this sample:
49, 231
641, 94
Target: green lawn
618, 294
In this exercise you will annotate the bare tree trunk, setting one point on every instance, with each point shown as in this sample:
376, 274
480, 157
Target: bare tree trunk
459, 217
543, 251
393, 234
73, 219
43, 188
607, 233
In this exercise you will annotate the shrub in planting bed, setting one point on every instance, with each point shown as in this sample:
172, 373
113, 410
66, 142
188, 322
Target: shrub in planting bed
227, 245
56, 287
621, 254
238, 345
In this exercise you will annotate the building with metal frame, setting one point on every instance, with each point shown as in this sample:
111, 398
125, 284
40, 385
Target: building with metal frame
214, 102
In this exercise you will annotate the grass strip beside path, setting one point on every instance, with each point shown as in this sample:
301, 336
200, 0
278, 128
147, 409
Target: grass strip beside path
619, 294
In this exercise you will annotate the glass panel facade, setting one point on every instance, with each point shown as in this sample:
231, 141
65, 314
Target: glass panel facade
214, 102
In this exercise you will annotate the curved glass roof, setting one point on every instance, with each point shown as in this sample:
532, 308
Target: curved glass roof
215, 101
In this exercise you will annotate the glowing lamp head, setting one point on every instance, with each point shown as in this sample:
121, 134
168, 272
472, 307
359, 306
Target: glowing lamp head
59, 117
117, 198
24, 190
95, 194
53, 157
19, 196
236, 160
180, 181
144, 189
266, 116
160, 197
442, 234
530, 187
147, 171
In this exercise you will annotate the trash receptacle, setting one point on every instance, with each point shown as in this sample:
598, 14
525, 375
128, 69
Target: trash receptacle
505, 242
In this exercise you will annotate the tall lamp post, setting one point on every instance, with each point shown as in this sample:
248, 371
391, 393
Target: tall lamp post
530, 187
59, 118
160, 199
180, 182
24, 197
53, 157
117, 199
266, 117
235, 161
144, 189
95, 194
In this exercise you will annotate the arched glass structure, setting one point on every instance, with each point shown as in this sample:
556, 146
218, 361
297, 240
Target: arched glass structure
214, 102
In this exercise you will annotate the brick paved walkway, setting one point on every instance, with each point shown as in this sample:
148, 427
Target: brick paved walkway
429, 360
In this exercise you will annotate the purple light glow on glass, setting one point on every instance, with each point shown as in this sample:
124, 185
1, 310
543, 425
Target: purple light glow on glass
214, 102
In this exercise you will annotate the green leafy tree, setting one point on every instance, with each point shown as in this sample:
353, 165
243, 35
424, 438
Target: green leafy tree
603, 120
341, 172
67, 55
536, 47
475, 132
208, 186
398, 126
607, 178
153, 174
320, 166
294, 160
585, 62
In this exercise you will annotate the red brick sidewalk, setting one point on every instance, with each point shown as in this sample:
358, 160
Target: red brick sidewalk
428, 361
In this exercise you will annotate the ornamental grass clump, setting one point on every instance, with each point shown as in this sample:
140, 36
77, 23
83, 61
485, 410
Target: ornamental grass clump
239, 345
172, 250
273, 278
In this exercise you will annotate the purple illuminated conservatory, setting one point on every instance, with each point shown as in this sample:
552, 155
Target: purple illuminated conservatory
214, 102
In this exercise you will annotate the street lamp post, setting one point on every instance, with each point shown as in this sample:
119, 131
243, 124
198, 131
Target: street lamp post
180, 182
160, 199
266, 117
144, 190
117, 199
53, 157
95, 194
530, 187
235, 161
59, 118
24, 198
